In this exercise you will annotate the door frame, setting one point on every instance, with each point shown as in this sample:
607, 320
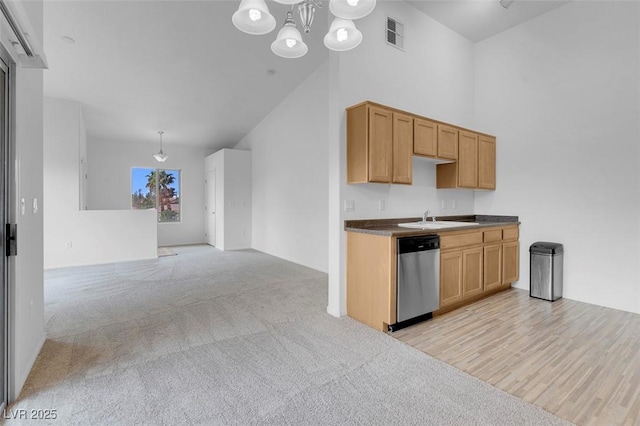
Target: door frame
208, 207
11, 215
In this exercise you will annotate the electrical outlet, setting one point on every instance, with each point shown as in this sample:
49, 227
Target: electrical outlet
443, 205
69, 244
349, 205
381, 205
454, 204
35, 205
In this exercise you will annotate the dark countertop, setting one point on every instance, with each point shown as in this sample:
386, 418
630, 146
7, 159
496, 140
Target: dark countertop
390, 228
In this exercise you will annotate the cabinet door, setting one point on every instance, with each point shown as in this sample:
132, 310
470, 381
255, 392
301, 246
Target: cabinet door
472, 272
510, 262
425, 137
486, 162
492, 266
468, 160
450, 278
447, 142
402, 148
380, 144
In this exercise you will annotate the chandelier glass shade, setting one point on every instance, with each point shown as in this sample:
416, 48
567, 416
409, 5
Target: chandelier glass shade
343, 35
288, 43
160, 156
351, 9
253, 17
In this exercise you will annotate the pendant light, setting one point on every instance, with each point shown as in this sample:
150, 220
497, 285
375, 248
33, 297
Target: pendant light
351, 9
343, 35
253, 17
160, 157
289, 42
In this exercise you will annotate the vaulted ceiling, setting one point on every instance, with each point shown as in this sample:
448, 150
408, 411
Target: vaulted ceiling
181, 66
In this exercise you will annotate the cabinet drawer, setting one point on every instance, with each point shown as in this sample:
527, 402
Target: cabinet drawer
510, 233
492, 235
460, 240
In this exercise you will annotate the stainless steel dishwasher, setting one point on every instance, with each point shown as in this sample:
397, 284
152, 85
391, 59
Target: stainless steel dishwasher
418, 280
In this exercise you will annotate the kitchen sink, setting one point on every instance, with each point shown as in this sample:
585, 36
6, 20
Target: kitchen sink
438, 224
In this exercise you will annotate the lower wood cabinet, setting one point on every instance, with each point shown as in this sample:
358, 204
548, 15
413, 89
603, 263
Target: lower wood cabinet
492, 266
450, 278
510, 262
476, 263
460, 275
473, 264
472, 280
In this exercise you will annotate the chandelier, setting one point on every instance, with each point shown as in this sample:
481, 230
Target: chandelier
253, 17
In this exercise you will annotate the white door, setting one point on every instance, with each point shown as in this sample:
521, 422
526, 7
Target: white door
211, 207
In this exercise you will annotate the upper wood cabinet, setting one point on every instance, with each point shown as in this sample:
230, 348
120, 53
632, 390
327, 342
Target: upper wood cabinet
402, 148
379, 145
447, 142
425, 137
476, 165
468, 160
381, 142
486, 162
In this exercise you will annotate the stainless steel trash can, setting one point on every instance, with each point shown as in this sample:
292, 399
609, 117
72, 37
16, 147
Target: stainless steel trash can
545, 271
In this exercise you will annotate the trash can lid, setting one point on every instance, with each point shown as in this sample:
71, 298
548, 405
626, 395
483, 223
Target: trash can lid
546, 248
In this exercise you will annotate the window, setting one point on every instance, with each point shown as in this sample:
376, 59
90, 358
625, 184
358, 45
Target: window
159, 189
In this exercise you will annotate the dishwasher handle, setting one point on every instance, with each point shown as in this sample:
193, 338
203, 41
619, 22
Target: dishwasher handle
416, 244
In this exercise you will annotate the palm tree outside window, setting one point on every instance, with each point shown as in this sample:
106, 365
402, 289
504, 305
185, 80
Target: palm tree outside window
159, 189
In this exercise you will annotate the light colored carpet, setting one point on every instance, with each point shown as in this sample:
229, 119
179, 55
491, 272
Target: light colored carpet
210, 337
165, 251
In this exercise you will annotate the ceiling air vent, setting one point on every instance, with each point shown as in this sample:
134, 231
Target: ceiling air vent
395, 33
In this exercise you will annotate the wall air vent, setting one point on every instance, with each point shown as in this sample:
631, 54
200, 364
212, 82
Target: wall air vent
395, 33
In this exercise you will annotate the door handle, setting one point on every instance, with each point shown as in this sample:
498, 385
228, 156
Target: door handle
11, 243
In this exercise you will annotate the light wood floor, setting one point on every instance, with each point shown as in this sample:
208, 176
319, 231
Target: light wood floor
578, 361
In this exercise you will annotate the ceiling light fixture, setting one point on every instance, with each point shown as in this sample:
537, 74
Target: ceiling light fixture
253, 17
506, 3
160, 157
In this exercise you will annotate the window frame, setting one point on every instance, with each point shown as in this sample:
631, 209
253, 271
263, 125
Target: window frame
179, 188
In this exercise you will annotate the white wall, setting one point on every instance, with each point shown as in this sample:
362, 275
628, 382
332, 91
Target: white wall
26, 322
72, 236
112, 161
432, 77
290, 181
562, 94
233, 197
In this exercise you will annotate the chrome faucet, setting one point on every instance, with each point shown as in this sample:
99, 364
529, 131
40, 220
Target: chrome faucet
425, 215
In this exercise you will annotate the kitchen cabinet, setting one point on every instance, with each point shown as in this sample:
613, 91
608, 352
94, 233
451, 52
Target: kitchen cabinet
447, 142
476, 165
425, 138
489, 261
371, 279
492, 274
472, 279
460, 269
474, 263
379, 145
501, 258
510, 255
402, 170
486, 162
450, 278
467, 160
